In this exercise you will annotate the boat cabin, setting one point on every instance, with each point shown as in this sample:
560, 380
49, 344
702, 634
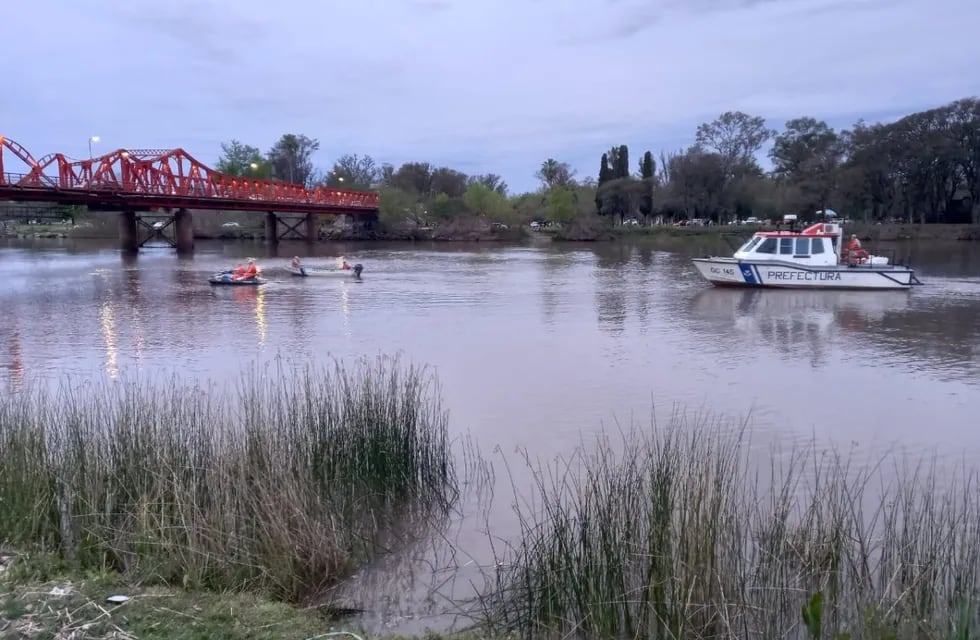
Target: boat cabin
817, 245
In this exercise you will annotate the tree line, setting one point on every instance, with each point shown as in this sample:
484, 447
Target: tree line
924, 167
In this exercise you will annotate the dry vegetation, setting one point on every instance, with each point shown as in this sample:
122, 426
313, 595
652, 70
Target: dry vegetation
670, 533
282, 488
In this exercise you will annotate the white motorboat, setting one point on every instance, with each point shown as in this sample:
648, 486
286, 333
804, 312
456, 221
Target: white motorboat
811, 258
326, 272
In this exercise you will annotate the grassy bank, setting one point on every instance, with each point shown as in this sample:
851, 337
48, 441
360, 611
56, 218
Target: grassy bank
37, 602
671, 534
282, 487
877, 232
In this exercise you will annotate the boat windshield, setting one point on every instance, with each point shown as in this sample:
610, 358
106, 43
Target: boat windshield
748, 246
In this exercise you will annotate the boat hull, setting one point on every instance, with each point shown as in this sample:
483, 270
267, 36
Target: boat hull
729, 272
221, 280
310, 272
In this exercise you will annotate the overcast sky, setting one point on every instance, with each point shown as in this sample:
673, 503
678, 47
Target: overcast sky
479, 85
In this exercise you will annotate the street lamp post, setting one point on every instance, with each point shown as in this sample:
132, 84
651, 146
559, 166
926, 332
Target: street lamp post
90, 141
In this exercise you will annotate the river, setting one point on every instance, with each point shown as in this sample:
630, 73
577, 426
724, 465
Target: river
533, 345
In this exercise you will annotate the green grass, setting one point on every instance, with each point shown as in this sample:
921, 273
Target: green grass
76, 607
283, 487
671, 533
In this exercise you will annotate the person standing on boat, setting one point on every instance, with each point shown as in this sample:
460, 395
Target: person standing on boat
296, 264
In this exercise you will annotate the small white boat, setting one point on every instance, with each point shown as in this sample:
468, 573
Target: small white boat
326, 272
808, 259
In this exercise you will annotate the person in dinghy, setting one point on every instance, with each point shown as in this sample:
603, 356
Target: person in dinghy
248, 273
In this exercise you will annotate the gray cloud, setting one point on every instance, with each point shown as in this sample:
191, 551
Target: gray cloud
492, 86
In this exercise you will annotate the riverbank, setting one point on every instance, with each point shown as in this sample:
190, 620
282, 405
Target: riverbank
247, 227
39, 600
590, 229
867, 232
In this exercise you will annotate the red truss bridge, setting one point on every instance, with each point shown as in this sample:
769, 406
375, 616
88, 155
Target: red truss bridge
163, 186
149, 179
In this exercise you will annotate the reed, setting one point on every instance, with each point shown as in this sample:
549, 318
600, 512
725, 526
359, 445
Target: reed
675, 533
284, 485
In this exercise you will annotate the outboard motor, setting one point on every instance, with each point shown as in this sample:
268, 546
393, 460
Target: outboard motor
357, 270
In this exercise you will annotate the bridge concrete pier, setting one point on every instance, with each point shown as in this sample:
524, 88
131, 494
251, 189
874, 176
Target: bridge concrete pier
128, 237
312, 227
184, 231
271, 228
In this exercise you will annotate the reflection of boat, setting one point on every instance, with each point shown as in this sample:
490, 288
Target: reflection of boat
810, 259
751, 309
792, 321
326, 272
226, 278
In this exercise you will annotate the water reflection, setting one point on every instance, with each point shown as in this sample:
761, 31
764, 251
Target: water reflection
107, 321
901, 327
250, 308
558, 275
611, 287
15, 355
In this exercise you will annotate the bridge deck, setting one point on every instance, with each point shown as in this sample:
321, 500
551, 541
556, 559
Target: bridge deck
142, 179
122, 201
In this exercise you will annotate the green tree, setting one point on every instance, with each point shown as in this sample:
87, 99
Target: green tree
449, 181
397, 207
807, 155
736, 137
648, 178
482, 200
291, 158
605, 175
561, 205
491, 180
618, 160
605, 170
414, 177
238, 159
555, 174
353, 172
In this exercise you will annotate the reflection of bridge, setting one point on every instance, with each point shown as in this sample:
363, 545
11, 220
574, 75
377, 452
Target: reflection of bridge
168, 183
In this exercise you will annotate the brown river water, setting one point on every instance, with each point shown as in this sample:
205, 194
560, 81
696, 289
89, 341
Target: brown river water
534, 346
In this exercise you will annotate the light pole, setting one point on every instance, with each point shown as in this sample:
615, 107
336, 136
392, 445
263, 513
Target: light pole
90, 141
255, 167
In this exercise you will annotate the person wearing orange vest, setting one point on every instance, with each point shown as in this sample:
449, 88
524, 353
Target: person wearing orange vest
252, 271
854, 250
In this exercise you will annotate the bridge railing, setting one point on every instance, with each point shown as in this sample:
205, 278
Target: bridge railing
222, 188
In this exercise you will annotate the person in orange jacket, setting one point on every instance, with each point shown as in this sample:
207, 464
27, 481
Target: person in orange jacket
854, 250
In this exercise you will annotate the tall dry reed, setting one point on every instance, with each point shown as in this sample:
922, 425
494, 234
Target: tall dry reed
673, 533
285, 485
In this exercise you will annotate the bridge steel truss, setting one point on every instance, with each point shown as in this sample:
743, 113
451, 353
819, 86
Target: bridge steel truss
169, 182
